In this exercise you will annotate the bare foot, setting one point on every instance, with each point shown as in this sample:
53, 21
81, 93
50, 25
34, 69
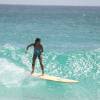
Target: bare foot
42, 74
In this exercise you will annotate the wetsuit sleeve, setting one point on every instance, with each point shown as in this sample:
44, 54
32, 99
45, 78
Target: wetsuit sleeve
32, 44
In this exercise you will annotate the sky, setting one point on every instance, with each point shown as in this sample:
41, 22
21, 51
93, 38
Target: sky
53, 2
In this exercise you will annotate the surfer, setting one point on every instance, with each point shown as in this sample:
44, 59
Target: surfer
38, 50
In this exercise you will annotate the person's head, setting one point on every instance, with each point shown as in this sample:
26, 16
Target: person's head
37, 41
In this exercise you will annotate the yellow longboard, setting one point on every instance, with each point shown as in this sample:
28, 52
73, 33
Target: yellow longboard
53, 78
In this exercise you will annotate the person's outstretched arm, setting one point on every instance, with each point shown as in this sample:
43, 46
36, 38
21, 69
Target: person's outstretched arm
32, 44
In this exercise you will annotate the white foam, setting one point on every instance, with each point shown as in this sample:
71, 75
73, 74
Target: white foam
25, 60
9, 46
10, 74
97, 50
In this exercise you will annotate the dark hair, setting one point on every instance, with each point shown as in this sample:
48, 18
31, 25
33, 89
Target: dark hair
37, 40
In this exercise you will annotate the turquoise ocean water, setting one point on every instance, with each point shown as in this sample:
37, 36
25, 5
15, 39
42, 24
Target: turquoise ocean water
71, 39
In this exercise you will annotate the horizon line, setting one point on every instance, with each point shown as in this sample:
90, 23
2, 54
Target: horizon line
49, 5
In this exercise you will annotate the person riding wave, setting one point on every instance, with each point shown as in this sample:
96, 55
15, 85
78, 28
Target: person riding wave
38, 50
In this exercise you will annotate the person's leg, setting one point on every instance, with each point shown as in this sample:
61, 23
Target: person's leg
33, 63
42, 67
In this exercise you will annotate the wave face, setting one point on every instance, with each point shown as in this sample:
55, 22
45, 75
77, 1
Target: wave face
15, 78
78, 65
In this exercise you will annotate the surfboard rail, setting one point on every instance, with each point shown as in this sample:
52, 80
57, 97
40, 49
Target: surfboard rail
53, 78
